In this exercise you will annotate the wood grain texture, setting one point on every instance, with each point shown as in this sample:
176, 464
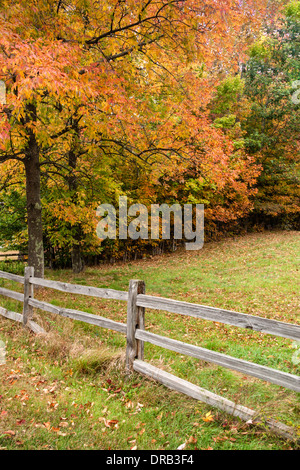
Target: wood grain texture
19, 318
28, 294
78, 315
82, 290
12, 294
12, 277
229, 317
135, 319
198, 393
277, 377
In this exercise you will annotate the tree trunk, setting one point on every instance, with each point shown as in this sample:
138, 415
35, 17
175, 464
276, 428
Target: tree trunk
77, 262
76, 255
34, 205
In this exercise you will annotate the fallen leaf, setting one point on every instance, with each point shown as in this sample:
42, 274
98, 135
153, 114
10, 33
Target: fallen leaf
21, 421
135, 385
53, 405
129, 404
25, 397
63, 424
208, 417
109, 422
182, 446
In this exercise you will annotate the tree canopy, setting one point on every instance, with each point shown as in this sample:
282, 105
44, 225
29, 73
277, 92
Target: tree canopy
141, 98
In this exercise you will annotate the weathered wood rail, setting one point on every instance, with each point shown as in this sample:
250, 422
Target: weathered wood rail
13, 256
137, 336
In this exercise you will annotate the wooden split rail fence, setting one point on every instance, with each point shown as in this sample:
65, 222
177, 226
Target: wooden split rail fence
134, 329
13, 256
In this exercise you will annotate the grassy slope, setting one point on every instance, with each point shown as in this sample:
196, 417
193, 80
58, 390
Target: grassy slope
68, 390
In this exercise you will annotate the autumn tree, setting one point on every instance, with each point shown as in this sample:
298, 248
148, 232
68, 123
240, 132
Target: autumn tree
129, 68
272, 126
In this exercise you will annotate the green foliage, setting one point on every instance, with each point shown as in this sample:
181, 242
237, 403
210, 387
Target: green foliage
225, 122
272, 126
227, 94
260, 49
13, 220
14, 267
292, 10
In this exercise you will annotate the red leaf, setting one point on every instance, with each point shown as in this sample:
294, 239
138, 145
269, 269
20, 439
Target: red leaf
10, 433
21, 421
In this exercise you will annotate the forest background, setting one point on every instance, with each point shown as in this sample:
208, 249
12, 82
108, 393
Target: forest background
161, 101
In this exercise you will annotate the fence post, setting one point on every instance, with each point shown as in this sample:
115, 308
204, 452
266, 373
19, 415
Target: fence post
135, 320
28, 294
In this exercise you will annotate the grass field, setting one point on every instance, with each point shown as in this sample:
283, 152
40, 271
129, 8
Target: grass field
68, 390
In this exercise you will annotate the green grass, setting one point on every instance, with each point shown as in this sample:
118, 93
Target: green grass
68, 390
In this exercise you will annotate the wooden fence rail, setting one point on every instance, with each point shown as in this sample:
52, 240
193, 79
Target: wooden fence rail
79, 289
78, 315
204, 312
11, 256
249, 368
134, 329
